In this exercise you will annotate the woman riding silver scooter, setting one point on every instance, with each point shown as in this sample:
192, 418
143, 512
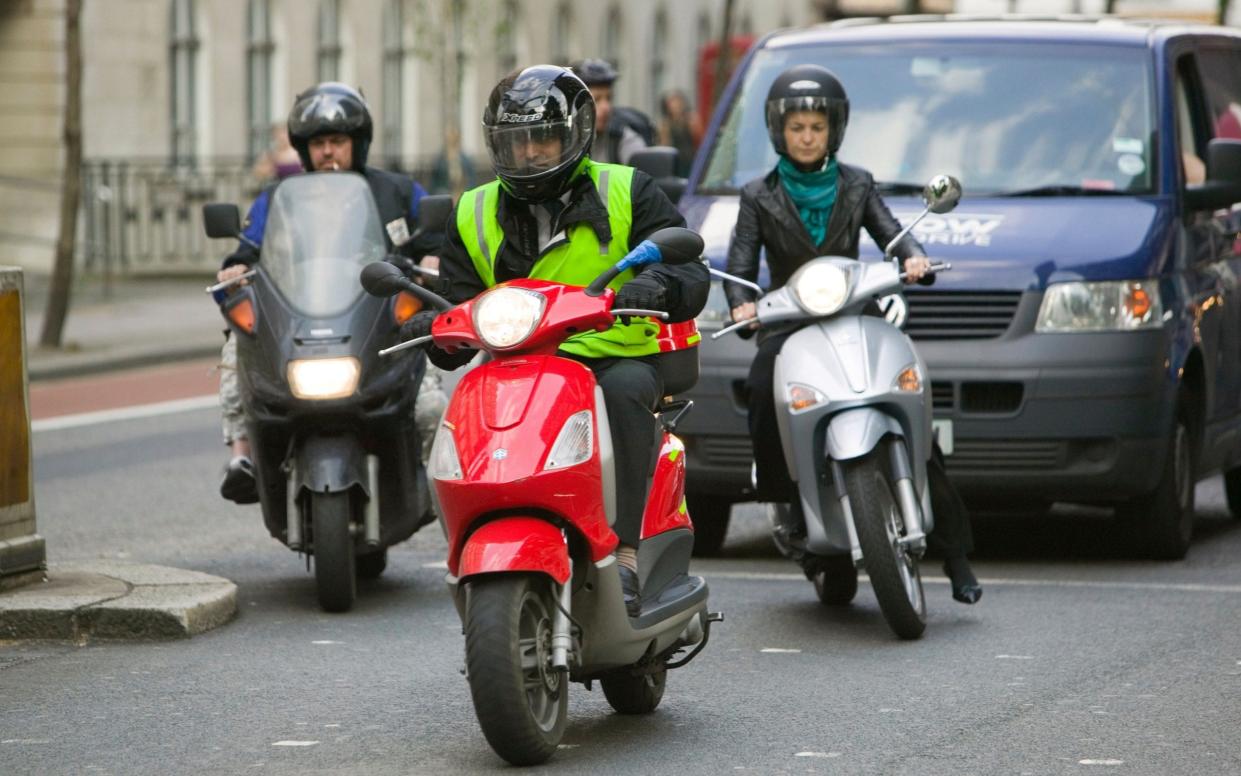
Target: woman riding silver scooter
811, 205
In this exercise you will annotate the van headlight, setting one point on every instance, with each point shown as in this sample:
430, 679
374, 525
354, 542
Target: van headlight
324, 378
1114, 305
506, 317
821, 287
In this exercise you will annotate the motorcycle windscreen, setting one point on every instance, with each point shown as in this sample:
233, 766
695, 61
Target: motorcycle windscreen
322, 229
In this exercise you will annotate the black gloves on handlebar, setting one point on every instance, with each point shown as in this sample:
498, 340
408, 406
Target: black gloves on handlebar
640, 295
418, 326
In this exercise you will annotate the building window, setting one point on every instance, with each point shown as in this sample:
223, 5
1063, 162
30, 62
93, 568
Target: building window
259, 50
659, 49
183, 75
613, 37
329, 40
393, 67
562, 40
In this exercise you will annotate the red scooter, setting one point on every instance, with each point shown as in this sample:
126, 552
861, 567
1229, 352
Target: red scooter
524, 479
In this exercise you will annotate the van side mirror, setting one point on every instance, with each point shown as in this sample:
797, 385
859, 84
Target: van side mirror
1223, 184
433, 212
660, 162
221, 219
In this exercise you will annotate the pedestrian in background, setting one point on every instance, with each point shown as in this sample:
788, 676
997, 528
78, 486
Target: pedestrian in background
678, 128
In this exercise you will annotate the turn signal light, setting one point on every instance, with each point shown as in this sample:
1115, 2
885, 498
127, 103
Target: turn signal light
909, 380
405, 306
242, 315
1137, 302
803, 396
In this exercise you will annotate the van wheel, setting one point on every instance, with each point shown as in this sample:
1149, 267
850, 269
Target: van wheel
710, 515
1163, 520
1232, 489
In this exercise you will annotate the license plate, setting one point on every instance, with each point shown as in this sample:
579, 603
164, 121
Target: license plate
942, 430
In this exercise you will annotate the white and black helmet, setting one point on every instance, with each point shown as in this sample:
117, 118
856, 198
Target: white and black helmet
535, 105
807, 88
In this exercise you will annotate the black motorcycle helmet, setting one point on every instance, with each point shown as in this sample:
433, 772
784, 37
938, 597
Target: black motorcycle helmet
537, 105
595, 72
807, 87
330, 108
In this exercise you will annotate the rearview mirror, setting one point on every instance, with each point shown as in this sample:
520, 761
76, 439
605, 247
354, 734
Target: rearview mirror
433, 212
678, 245
380, 278
1223, 184
221, 219
942, 193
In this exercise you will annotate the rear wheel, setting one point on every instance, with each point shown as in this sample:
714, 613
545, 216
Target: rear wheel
634, 694
1232, 488
1163, 520
835, 580
372, 564
333, 550
710, 515
893, 570
520, 701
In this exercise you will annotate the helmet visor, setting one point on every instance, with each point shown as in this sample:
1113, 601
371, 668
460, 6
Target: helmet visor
530, 150
324, 112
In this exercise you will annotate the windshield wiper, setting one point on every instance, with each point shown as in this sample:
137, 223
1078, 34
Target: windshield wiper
899, 187
1060, 190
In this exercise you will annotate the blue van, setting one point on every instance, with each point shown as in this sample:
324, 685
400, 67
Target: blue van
1086, 346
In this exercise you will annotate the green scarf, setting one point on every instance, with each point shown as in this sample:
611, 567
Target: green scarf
814, 194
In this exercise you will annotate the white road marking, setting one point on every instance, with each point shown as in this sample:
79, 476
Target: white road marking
780, 651
817, 754
125, 413
1014, 657
325, 641
439, 564
25, 741
1178, 587
1101, 762
295, 743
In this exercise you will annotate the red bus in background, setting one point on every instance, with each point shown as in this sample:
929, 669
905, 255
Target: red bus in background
708, 56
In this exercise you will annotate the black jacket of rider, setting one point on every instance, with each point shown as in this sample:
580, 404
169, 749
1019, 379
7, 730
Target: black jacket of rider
396, 198
769, 219
684, 287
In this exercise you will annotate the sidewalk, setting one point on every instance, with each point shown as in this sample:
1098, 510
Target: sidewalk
131, 322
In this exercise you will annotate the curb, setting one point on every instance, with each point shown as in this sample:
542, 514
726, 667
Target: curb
117, 601
59, 365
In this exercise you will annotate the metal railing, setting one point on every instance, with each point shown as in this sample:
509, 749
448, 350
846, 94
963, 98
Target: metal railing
142, 216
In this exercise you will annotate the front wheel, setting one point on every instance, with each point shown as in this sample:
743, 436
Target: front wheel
333, 550
1163, 520
835, 580
1232, 489
893, 570
520, 700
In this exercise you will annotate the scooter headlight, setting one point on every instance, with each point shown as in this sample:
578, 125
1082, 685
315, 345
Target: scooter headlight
505, 317
821, 287
324, 378
575, 443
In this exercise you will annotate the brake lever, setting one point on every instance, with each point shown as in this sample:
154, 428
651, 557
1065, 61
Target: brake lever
734, 327
660, 314
416, 341
223, 284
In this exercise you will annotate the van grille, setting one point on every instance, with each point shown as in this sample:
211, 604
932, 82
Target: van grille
949, 315
1005, 454
733, 451
941, 397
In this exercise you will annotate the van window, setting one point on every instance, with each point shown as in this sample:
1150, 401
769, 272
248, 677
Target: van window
1003, 119
1188, 123
1221, 80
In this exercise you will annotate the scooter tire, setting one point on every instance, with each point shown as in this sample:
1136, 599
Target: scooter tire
520, 701
893, 571
628, 693
835, 580
333, 550
372, 564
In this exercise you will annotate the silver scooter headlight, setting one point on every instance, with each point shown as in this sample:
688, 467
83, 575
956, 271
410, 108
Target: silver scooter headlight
505, 317
821, 287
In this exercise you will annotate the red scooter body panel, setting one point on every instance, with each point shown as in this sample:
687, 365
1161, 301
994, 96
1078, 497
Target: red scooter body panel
505, 416
516, 544
665, 507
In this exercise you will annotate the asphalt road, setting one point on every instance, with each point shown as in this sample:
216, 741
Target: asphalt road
1077, 660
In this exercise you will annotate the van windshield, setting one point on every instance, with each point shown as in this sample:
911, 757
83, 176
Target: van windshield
1006, 120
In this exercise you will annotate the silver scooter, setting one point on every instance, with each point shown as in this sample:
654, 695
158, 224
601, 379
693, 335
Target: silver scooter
853, 404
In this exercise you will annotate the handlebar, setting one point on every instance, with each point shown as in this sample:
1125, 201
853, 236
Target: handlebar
660, 314
223, 284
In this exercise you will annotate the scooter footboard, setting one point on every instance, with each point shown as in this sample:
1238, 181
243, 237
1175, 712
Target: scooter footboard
516, 544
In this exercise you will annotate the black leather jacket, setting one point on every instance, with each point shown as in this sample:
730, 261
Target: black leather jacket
768, 219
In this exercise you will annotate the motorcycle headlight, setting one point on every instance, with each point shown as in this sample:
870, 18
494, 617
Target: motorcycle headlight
505, 317
1124, 305
324, 378
821, 288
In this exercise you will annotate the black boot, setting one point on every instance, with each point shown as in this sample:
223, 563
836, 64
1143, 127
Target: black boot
631, 590
965, 587
239, 484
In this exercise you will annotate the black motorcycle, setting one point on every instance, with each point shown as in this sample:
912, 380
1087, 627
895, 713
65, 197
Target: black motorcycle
331, 424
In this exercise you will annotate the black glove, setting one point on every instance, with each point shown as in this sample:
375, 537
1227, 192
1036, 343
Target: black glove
418, 326
639, 296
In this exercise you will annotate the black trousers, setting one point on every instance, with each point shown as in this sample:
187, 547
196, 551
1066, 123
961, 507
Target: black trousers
952, 535
632, 388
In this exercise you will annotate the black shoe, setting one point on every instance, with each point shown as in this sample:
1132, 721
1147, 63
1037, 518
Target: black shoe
239, 485
965, 587
631, 590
